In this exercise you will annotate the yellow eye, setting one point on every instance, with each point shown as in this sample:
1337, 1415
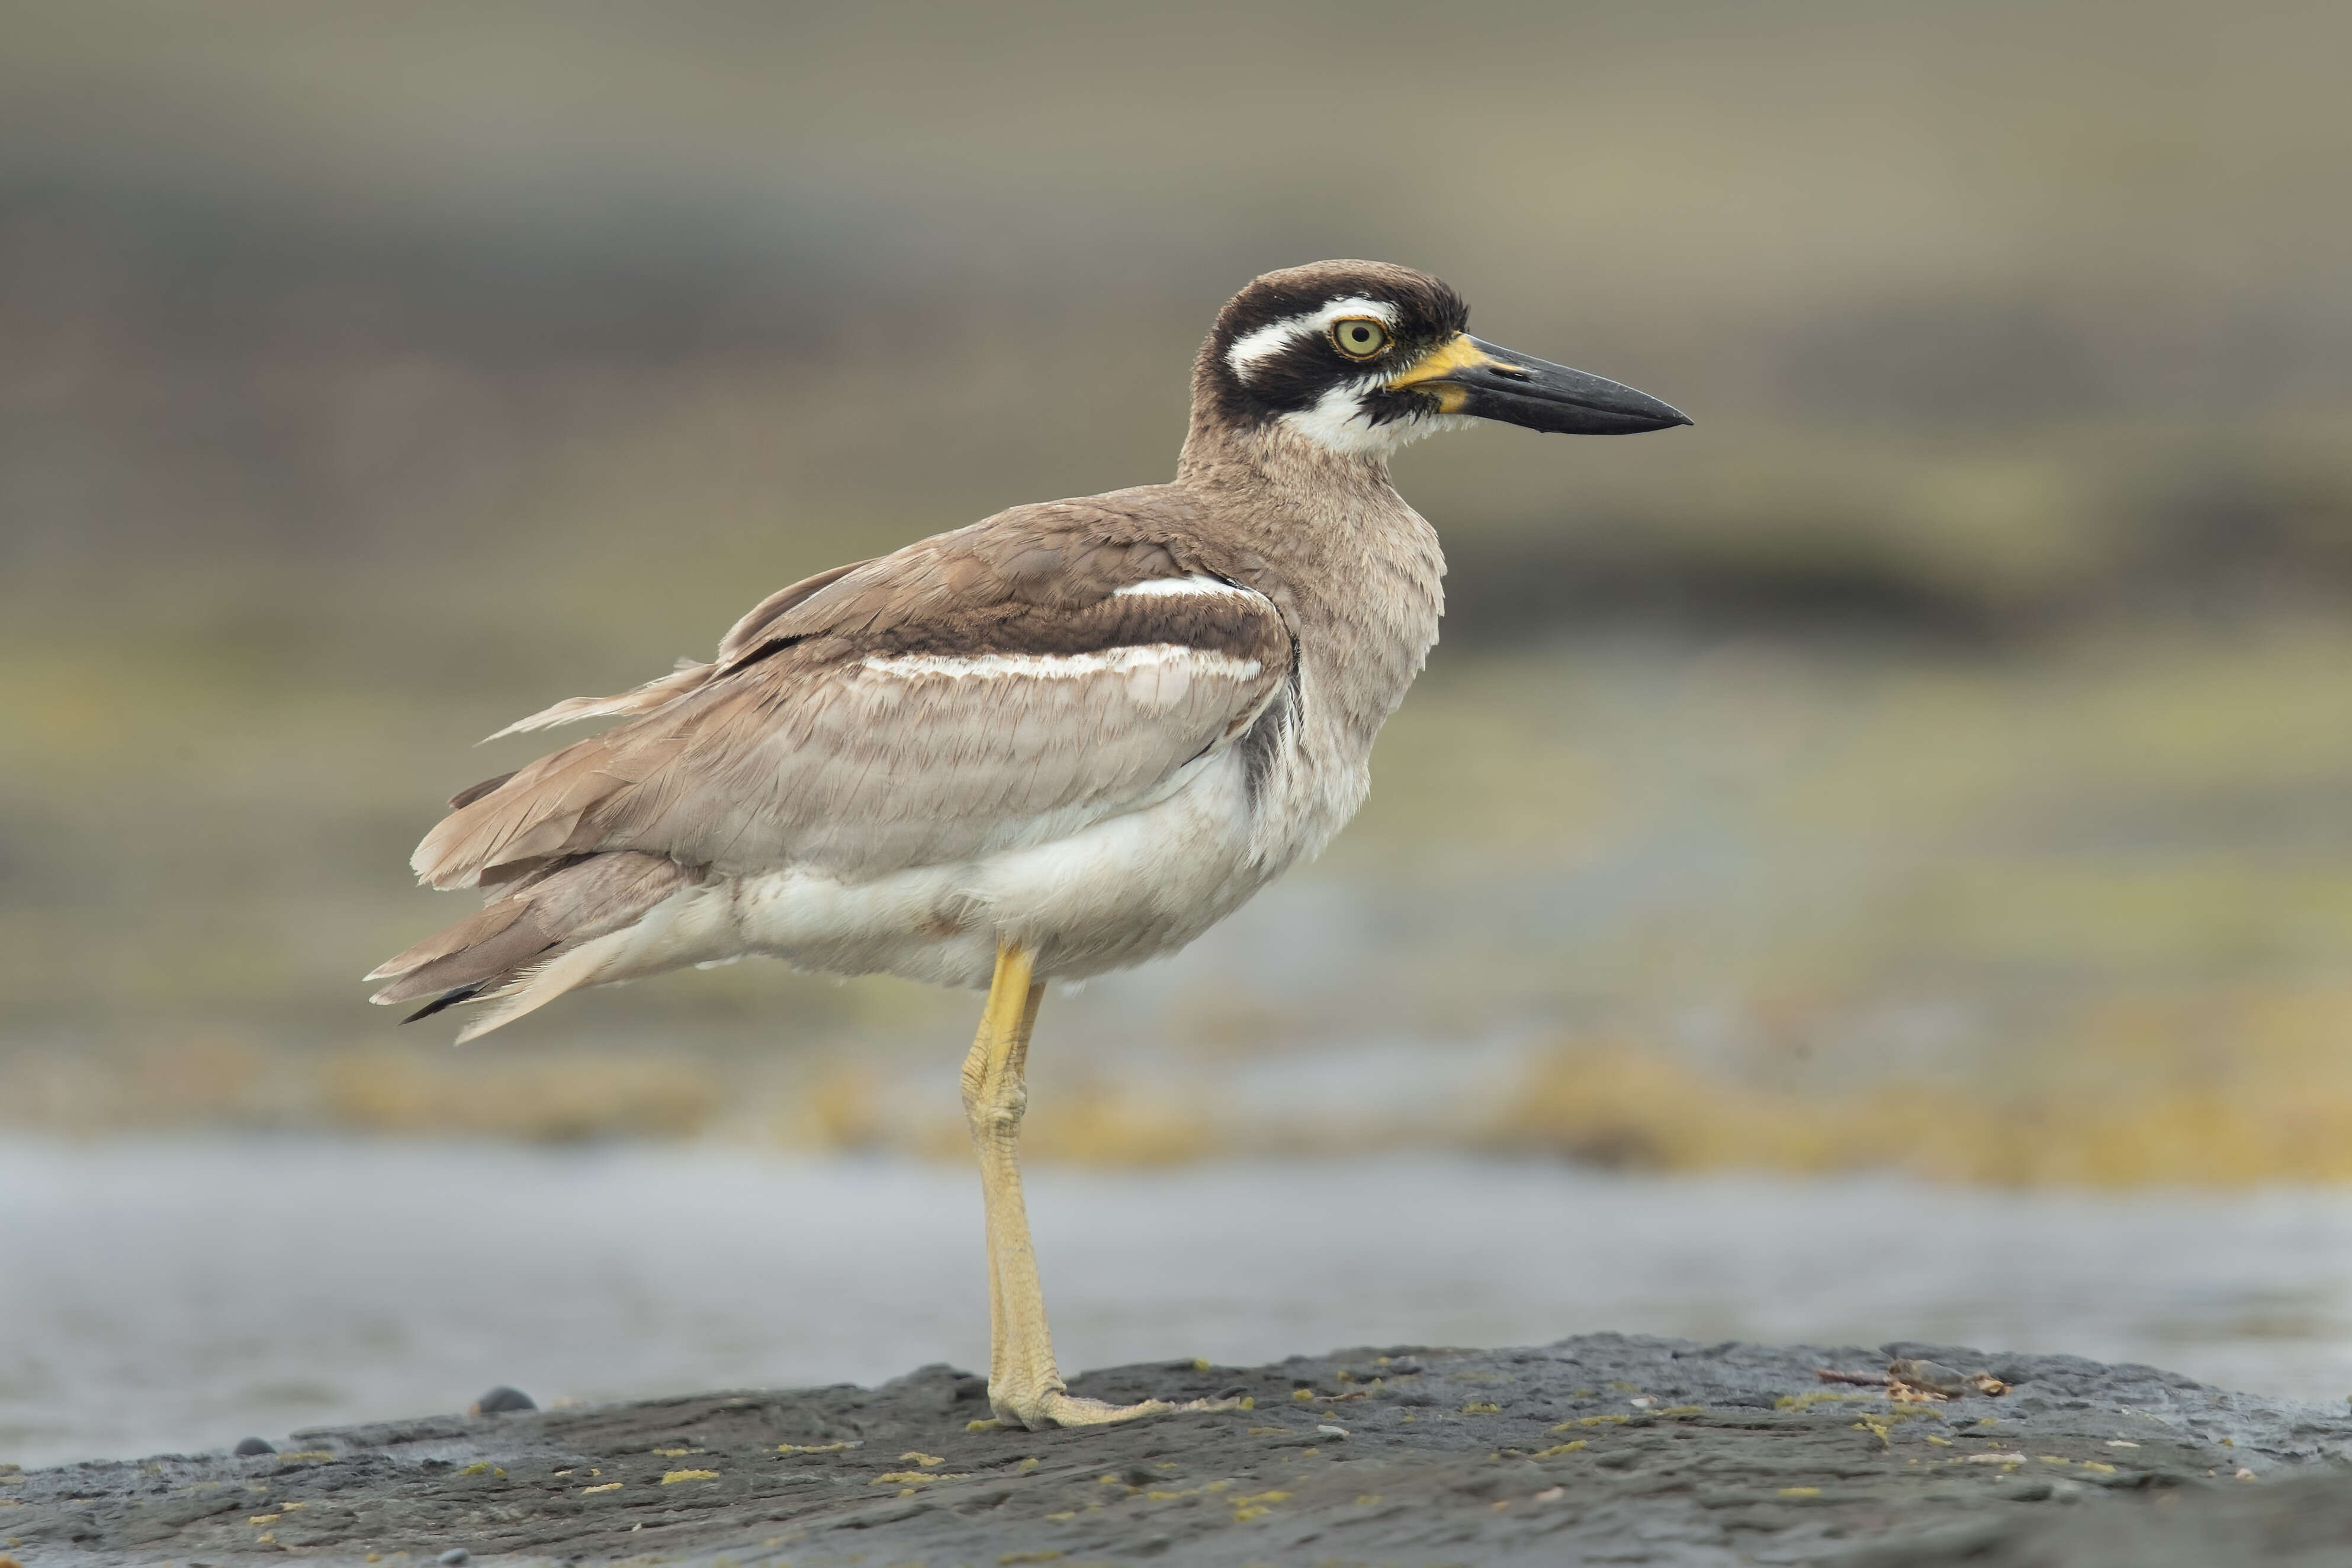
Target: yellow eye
1359, 337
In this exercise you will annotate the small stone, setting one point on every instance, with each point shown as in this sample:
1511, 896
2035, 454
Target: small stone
458, 1554
1336, 1434
501, 1401
252, 1445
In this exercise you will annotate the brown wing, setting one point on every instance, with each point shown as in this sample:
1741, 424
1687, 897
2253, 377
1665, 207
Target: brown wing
1001, 685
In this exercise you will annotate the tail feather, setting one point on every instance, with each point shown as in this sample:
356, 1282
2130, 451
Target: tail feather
447, 999
636, 700
469, 933
532, 816
533, 988
522, 941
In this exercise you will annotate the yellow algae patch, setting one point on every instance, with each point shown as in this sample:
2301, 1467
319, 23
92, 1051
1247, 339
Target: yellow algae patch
1558, 1448
607, 1486
897, 1477
672, 1478
1482, 1407
2096, 1465
814, 1447
1302, 1395
1025, 1466
1800, 1491
917, 1457
548, 1101
1256, 1505
2282, 1112
1818, 1397
1882, 1424
679, 1453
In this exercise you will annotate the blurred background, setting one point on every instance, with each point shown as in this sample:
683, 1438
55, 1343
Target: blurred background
1929, 773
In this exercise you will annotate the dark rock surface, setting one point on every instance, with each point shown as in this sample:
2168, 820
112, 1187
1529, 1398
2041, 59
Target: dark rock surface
1601, 1448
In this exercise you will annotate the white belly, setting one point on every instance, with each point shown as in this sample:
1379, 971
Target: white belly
1123, 891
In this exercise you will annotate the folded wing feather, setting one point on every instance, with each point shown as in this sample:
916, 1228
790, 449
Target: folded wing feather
975, 691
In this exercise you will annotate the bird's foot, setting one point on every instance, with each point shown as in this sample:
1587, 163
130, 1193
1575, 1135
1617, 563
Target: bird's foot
1050, 1407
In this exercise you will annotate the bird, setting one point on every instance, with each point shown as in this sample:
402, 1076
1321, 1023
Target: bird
1061, 740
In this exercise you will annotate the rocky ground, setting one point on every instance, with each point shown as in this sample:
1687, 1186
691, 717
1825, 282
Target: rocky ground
1603, 1448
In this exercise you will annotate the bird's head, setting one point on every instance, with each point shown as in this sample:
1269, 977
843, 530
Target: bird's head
1362, 356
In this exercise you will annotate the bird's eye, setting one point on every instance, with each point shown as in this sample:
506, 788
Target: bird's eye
1359, 338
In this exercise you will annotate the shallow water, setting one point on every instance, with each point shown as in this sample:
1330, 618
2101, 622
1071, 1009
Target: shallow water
157, 1297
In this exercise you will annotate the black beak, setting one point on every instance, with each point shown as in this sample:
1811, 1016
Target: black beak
1487, 382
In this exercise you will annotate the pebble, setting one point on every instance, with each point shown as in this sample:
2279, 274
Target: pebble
1338, 1433
455, 1555
502, 1400
252, 1445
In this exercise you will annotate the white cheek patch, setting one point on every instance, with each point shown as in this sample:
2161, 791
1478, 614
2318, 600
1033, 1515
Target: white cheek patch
1339, 421
1252, 348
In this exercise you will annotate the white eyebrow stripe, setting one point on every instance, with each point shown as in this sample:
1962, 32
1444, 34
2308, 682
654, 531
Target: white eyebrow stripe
1275, 336
1169, 587
1062, 666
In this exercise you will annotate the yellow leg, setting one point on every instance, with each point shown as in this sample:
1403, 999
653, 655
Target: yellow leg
1025, 1387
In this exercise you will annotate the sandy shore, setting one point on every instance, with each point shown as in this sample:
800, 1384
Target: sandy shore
1617, 1449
